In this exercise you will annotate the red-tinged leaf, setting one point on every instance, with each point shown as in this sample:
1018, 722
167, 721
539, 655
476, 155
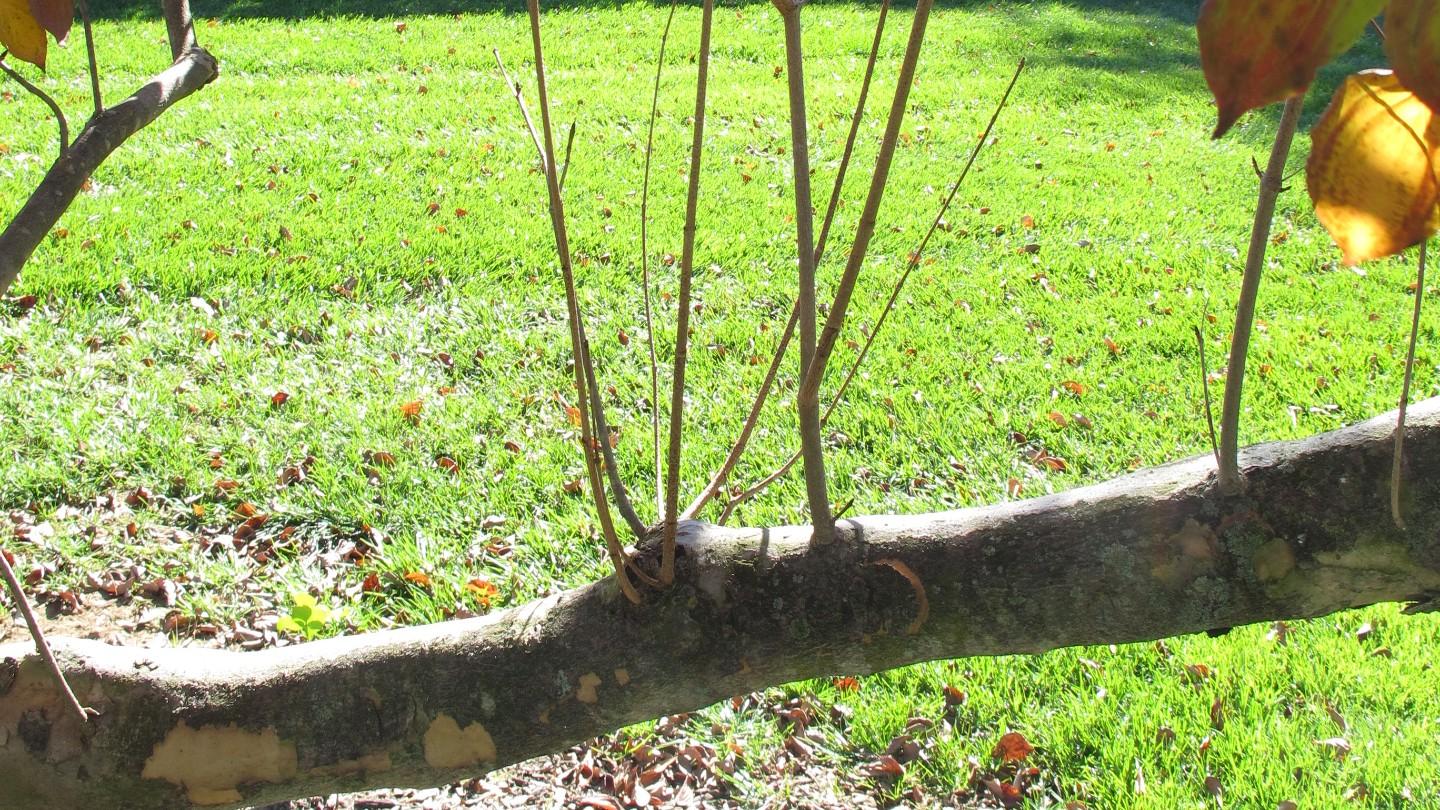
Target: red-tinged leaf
35, 574
1198, 672
381, 458
411, 411
1014, 487
1374, 161
512, 446
1412, 41
954, 697
1058, 418
279, 398
246, 509
418, 578
139, 497
247, 530
885, 767
371, 583
573, 414
21, 33
624, 338
23, 303
448, 464
1256, 52
1112, 346
846, 684
1004, 792
208, 336
54, 16
1217, 714
1027, 222
1078, 389
482, 590
571, 486
1013, 747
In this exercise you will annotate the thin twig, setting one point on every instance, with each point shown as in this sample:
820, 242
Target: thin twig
812, 449
899, 285
524, 109
645, 266
565, 167
1205, 392
43, 96
810, 387
1396, 472
90, 55
717, 482
1374, 23
41, 646
682, 327
572, 301
1270, 186
602, 433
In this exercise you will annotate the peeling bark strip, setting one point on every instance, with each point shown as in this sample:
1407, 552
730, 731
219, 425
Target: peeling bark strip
1150, 555
193, 69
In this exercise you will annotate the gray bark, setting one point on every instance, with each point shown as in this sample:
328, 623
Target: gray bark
1150, 555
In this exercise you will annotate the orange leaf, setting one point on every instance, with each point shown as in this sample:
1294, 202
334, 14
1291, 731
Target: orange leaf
482, 590
448, 464
847, 683
1373, 165
279, 398
1013, 747
419, 578
411, 410
1412, 41
1078, 389
1256, 52
54, 16
21, 33
371, 583
573, 414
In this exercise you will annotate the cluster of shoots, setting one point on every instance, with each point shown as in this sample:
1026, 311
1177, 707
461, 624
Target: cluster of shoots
816, 341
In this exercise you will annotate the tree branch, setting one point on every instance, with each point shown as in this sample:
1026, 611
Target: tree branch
751, 608
102, 135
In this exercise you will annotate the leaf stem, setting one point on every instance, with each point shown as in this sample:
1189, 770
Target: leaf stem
1398, 463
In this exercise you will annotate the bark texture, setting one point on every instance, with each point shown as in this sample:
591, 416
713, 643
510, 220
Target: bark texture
1153, 554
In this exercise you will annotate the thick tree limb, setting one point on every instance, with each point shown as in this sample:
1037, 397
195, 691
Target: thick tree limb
1150, 555
193, 69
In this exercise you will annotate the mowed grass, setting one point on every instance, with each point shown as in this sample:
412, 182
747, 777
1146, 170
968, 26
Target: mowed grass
351, 216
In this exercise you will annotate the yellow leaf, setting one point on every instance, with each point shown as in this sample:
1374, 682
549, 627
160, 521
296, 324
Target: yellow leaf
1412, 41
1373, 165
20, 33
1256, 52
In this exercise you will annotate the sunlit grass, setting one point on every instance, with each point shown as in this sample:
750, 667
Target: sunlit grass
351, 216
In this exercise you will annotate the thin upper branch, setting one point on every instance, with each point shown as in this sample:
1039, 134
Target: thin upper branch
35, 91
645, 265
572, 302
717, 481
90, 55
1271, 184
682, 325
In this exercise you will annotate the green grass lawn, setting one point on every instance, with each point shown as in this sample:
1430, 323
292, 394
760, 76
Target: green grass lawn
351, 216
